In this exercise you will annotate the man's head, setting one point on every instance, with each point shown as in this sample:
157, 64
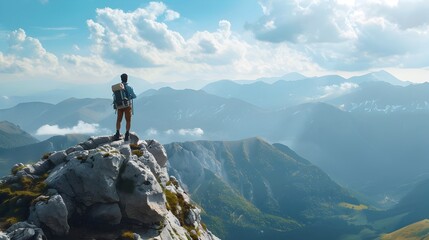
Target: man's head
124, 77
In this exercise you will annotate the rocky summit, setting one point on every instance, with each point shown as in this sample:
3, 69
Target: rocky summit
98, 189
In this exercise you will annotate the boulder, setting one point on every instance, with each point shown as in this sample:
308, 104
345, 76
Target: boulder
90, 179
74, 149
90, 144
41, 167
101, 140
134, 139
105, 213
58, 157
3, 236
173, 229
52, 213
125, 150
141, 196
158, 151
70, 205
17, 167
193, 217
25, 231
149, 160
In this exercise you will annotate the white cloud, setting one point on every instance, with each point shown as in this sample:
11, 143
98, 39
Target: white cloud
151, 132
139, 40
303, 36
80, 128
349, 34
27, 55
196, 132
171, 15
338, 90
169, 132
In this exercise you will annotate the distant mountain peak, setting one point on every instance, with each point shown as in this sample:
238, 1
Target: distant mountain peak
12, 135
381, 75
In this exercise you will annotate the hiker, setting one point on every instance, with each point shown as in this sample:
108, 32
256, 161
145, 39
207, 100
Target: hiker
123, 95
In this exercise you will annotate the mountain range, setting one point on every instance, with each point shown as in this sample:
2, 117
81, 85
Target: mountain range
252, 189
13, 136
293, 90
353, 147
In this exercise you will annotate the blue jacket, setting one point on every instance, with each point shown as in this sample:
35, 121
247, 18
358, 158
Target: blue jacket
130, 91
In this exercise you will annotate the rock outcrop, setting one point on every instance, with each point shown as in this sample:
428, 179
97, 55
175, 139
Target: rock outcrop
99, 188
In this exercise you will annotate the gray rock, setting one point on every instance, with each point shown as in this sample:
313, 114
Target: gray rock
134, 139
91, 180
25, 231
101, 140
117, 144
52, 213
80, 155
3, 236
29, 169
125, 150
149, 160
70, 205
43, 166
90, 144
17, 166
106, 213
193, 217
158, 151
172, 229
58, 157
74, 149
141, 196
51, 192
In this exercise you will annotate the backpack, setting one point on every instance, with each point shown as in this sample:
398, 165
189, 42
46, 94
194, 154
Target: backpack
120, 96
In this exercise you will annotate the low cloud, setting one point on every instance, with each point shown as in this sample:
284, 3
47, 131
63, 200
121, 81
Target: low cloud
193, 132
338, 90
196, 132
151, 132
81, 128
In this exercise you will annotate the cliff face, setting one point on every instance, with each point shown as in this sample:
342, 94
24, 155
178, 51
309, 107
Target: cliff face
98, 189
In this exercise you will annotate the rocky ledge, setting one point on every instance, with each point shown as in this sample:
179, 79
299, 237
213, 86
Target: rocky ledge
98, 189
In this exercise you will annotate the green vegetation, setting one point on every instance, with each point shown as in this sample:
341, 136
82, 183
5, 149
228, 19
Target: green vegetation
46, 155
180, 208
134, 146
82, 158
16, 199
233, 211
138, 152
17, 169
127, 235
359, 207
416, 231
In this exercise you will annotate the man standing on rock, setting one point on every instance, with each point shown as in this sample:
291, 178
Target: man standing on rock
127, 111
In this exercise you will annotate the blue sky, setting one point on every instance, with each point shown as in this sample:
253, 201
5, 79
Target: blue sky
73, 41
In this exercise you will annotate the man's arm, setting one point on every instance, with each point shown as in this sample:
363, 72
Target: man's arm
131, 92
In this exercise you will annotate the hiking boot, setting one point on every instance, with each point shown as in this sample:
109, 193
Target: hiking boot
127, 136
116, 136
